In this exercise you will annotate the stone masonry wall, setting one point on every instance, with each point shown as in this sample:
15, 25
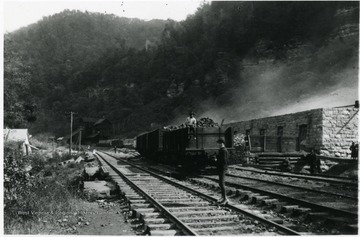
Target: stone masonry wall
340, 128
291, 126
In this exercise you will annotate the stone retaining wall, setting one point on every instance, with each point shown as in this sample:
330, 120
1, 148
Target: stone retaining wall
290, 124
328, 130
340, 128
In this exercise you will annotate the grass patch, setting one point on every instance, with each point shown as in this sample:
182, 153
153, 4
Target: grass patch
38, 202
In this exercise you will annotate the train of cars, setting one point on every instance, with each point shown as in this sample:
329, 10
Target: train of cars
187, 147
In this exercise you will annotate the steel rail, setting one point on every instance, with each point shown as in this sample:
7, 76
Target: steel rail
281, 228
325, 178
187, 230
294, 186
294, 200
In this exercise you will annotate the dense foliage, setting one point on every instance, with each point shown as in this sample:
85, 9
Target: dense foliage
32, 194
98, 64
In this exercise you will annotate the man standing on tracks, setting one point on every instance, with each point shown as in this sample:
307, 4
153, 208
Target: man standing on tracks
222, 166
286, 165
354, 148
314, 162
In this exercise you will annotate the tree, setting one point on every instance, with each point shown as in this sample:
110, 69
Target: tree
19, 106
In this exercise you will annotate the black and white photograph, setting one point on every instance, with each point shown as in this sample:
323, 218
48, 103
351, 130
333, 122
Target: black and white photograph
180, 117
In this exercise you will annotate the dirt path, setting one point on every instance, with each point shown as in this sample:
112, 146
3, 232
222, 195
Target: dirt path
98, 219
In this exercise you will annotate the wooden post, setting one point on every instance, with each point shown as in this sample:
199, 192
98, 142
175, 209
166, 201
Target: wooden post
247, 143
71, 124
264, 142
80, 139
26, 149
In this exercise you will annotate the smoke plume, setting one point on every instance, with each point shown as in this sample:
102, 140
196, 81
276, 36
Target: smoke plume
321, 79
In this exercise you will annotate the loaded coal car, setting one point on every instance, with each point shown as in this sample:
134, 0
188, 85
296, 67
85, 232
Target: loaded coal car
191, 148
150, 144
195, 148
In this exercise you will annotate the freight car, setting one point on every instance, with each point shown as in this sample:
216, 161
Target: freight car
184, 147
110, 143
150, 144
128, 142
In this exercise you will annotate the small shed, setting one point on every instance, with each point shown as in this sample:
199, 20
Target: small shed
18, 135
104, 128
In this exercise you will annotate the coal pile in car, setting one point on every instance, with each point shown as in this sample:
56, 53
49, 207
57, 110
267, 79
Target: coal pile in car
206, 123
201, 123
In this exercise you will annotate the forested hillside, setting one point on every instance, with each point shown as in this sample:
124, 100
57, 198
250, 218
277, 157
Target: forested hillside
232, 60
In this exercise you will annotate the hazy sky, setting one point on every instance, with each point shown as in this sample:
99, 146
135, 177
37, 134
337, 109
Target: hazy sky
22, 13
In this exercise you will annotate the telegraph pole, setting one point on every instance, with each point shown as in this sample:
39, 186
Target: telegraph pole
71, 128
80, 139
71, 125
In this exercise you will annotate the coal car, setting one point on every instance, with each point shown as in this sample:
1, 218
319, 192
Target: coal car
192, 148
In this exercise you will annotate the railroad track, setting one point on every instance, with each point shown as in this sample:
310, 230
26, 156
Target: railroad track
167, 206
315, 177
344, 190
301, 204
327, 219
347, 206
330, 209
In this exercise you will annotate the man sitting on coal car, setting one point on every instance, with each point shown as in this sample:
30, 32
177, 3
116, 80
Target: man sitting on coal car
191, 123
191, 120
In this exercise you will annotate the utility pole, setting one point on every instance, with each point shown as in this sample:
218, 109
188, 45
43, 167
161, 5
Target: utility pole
80, 139
71, 128
71, 125
53, 143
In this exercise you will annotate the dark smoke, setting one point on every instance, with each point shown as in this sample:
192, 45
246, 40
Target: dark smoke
327, 77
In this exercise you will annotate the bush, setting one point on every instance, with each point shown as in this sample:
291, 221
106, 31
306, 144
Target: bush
239, 140
37, 162
19, 188
17, 181
30, 198
59, 157
240, 148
